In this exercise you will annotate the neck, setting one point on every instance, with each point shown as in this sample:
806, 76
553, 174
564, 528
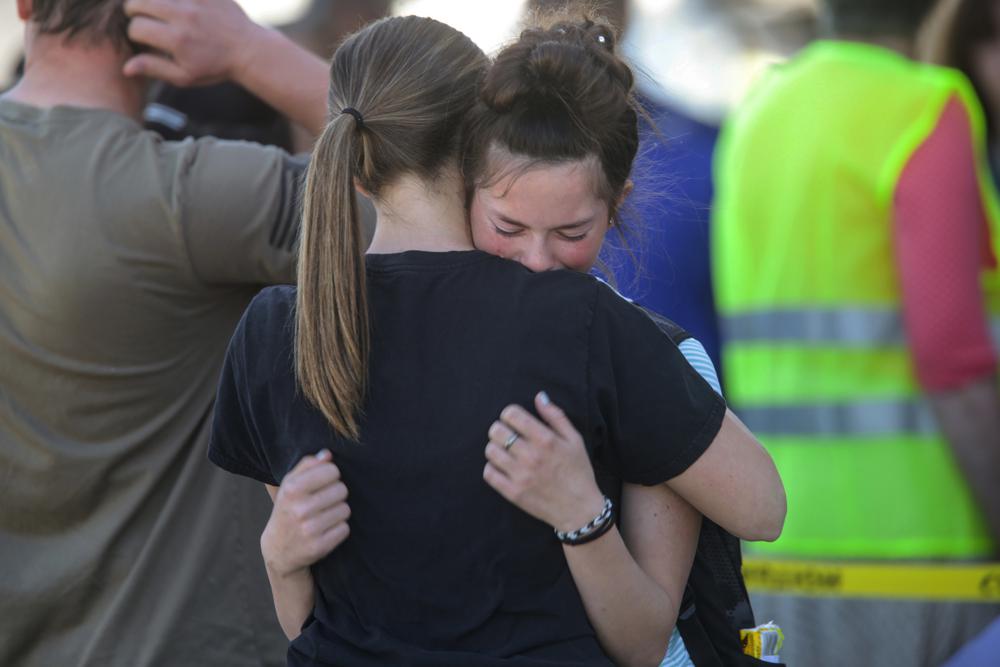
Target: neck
61, 72
415, 214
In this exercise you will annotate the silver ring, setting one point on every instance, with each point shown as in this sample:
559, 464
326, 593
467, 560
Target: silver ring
511, 439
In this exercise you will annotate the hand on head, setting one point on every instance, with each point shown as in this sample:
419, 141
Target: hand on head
193, 42
310, 514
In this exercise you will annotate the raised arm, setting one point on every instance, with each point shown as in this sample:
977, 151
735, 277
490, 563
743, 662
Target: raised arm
200, 42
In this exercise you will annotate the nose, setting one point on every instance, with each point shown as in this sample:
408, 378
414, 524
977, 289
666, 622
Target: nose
538, 258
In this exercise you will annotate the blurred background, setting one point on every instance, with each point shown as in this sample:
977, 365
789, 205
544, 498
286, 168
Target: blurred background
696, 60
706, 50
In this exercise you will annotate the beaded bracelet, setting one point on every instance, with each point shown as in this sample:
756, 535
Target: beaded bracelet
596, 527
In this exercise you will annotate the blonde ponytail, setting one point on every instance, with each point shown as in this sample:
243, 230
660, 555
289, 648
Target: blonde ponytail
332, 335
399, 89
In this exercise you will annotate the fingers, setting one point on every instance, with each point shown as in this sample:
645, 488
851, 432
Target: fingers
526, 425
325, 521
555, 417
163, 10
311, 480
155, 34
328, 496
157, 67
332, 538
501, 435
310, 540
306, 462
311, 474
502, 459
499, 481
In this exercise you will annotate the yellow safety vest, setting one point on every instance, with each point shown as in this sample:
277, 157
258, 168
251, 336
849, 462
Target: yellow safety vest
815, 357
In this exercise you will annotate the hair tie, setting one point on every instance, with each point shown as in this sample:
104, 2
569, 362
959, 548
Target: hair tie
359, 119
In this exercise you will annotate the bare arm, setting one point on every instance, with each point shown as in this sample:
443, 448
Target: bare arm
292, 590
199, 42
308, 521
632, 589
942, 245
632, 605
969, 418
735, 484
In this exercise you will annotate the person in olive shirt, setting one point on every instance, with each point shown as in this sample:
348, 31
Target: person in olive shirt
125, 263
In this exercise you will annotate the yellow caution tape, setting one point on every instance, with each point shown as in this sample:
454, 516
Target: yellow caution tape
963, 583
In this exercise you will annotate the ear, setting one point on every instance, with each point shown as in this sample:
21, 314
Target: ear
24, 10
357, 186
626, 191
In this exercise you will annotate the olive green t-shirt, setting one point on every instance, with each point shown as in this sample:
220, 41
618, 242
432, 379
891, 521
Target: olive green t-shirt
125, 263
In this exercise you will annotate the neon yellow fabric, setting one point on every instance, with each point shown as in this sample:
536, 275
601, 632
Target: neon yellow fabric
805, 173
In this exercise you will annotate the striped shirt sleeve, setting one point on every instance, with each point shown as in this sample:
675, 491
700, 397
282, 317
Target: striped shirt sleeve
696, 355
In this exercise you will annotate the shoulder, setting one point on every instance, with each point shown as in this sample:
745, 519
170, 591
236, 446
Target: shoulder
609, 302
208, 163
674, 331
270, 318
273, 307
262, 349
555, 288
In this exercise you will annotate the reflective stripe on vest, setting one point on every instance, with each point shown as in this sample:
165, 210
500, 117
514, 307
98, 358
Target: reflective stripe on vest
857, 327
862, 419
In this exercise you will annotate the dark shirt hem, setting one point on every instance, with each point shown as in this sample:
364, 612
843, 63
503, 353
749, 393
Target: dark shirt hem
238, 468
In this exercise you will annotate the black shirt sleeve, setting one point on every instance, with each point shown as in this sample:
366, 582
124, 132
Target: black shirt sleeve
236, 443
652, 413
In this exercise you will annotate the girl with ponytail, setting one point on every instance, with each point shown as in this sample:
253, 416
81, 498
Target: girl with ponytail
382, 372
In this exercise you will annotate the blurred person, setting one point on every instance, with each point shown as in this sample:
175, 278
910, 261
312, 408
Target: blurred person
325, 23
126, 262
228, 111
855, 269
452, 599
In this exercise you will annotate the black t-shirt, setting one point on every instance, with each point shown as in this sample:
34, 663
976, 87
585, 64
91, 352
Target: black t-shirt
439, 569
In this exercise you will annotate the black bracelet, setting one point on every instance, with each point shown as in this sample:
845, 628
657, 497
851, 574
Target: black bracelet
596, 527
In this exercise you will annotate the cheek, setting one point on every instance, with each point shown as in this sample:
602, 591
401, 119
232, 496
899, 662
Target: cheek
486, 239
579, 256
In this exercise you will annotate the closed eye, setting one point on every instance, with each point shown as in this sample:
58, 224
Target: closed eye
507, 232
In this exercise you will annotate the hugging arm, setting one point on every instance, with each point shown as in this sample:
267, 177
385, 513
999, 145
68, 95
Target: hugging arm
736, 484
632, 602
308, 521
